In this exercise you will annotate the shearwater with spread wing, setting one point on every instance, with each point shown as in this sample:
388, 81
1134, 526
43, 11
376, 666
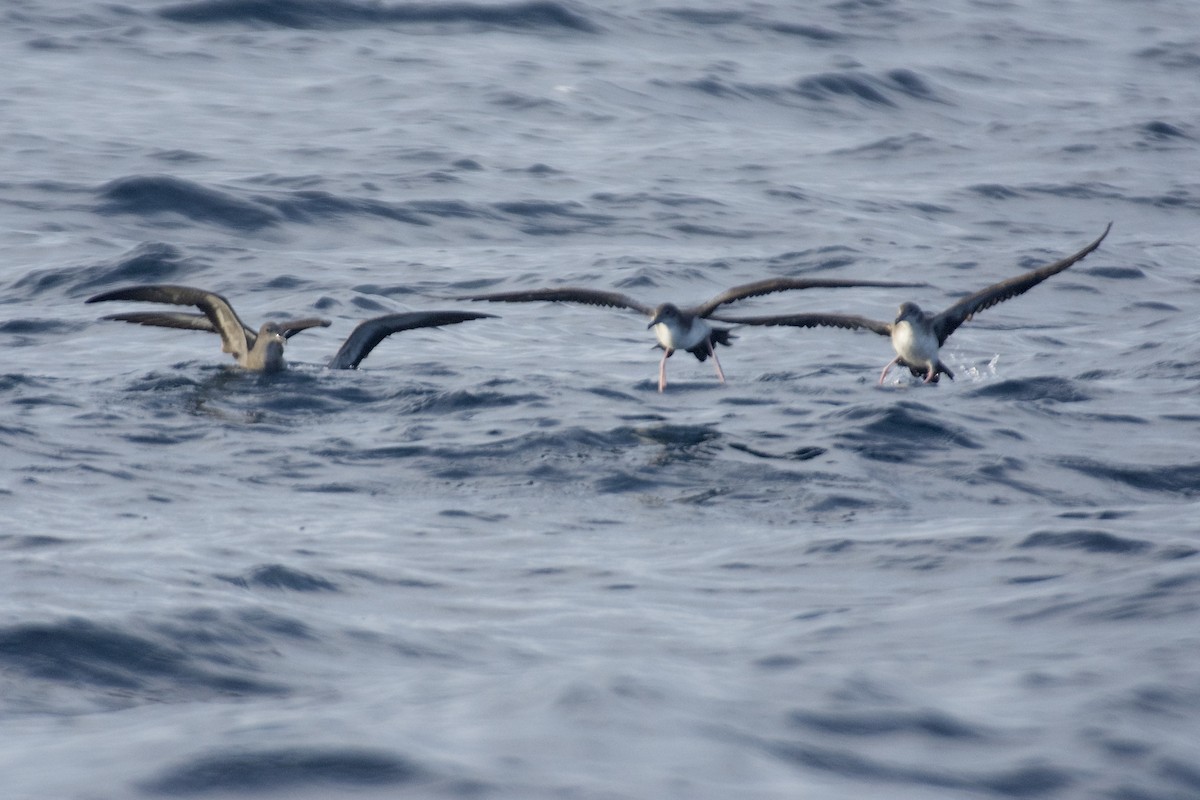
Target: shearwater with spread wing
916, 336
263, 352
679, 328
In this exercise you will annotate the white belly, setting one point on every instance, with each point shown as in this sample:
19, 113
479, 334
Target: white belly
918, 349
677, 337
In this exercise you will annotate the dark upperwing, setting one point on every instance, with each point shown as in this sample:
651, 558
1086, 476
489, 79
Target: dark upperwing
948, 321
362, 339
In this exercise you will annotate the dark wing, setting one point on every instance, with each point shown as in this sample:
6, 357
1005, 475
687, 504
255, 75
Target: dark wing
948, 321
291, 327
815, 320
362, 340
567, 294
771, 285
214, 306
185, 320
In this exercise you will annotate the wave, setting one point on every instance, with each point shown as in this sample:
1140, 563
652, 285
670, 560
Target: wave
1087, 540
1025, 780
730, 18
1175, 479
252, 211
257, 770
149, 262
308, 205
901, 433
36, 327
866, 87
1046, 388
278, 576
1177, 197
176, 661
886, 90
305, 14
933, 724
147, 195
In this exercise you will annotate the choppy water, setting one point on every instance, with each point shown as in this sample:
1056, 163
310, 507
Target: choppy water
495, 562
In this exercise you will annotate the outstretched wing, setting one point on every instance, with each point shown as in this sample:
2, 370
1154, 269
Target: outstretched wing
771, 285
291, 327
814, 321
567, 294
186, 320
948, 321
214, 306
362, 340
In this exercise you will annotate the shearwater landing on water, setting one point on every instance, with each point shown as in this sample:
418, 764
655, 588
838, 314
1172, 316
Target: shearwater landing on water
261, 351
679, 328
358, 345
916, 336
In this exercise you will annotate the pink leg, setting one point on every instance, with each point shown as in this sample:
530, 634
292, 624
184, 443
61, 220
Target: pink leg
931, 374
662, 372
886, 368
716, 362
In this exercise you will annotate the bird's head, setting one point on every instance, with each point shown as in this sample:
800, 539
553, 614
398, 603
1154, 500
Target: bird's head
909, 312
667, 313
269, 349
272, 333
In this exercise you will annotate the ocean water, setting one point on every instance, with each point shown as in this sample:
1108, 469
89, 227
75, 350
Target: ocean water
495, 562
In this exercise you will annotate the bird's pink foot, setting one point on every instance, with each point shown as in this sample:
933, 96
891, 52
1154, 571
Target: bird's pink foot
716, 362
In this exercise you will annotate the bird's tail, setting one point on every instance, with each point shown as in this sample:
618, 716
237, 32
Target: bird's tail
718, 336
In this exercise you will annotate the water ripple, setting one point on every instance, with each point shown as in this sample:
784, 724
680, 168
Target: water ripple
903, 432
1046, 388
1090, 541
926, 723
1029, 780
279, 576
1179, 479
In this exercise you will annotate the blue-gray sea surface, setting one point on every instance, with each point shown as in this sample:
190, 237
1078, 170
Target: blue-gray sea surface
495, 562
